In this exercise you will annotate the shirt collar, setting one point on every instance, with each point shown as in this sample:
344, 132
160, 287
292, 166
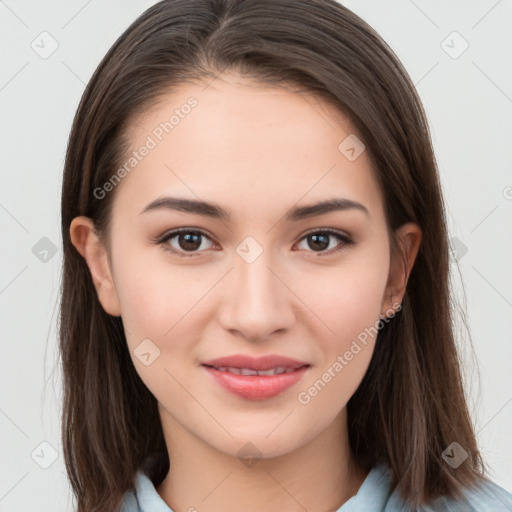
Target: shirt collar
372, 495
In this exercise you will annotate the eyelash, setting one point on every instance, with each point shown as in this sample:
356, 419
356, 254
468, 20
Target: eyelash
346, 241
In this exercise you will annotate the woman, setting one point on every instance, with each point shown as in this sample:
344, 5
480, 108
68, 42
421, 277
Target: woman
255, 304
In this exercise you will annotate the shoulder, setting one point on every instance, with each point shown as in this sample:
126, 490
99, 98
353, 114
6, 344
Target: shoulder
143, 497
486, 496
129, 503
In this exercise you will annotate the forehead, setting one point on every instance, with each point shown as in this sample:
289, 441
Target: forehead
236, 141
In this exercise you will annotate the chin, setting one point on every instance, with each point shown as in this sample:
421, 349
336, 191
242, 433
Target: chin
261, 445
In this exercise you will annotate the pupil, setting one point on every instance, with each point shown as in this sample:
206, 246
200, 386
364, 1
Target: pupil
324, 244
190, 243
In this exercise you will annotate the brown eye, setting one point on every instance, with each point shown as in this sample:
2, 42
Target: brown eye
189, 241
322, 240
184, 240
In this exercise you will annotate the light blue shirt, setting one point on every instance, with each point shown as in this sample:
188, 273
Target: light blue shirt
374, 495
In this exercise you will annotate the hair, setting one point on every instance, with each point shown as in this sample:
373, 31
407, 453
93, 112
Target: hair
410, 404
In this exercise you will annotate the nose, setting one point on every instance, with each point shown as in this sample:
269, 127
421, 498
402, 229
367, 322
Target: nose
257, 301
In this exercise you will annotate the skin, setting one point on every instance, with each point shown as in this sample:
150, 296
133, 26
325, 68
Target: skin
256, 151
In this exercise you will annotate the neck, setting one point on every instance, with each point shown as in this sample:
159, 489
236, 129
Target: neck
318, 476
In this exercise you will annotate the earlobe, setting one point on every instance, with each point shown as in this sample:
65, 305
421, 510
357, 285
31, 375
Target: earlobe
88, 244
409, 239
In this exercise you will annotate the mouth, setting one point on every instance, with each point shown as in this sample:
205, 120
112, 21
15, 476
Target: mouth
267, 362
279, 370
256, 379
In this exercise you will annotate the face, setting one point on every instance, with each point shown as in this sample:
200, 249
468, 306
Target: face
258, 280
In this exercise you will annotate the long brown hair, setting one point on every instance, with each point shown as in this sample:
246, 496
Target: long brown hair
410, 405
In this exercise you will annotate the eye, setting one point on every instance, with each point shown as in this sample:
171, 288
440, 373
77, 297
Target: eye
181, 241
191, 241
320, 241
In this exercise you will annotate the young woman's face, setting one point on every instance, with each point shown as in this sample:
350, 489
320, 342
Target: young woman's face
260, 280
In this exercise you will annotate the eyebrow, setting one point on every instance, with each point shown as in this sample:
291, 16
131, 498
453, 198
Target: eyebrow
214, 211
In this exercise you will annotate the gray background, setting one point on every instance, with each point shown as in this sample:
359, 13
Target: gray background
468, 99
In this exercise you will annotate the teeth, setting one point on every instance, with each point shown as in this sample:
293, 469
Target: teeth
246, 371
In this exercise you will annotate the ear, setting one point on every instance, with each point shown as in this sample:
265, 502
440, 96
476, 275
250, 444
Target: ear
408, 238
86, 241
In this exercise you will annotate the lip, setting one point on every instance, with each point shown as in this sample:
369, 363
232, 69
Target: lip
256, 387
256, 363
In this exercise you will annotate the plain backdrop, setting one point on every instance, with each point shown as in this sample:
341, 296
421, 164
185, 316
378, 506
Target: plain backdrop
458, 55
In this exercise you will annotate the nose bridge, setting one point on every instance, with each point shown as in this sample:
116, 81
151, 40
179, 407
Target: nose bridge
257, 302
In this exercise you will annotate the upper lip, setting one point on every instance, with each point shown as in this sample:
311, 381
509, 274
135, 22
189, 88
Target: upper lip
255, 363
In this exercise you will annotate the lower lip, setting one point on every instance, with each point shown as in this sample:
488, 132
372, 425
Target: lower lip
256, 387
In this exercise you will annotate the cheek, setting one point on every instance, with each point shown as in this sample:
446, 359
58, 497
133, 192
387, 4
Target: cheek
348, 301
158, 315
162, 303
153, 293
147, 306
345, 299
